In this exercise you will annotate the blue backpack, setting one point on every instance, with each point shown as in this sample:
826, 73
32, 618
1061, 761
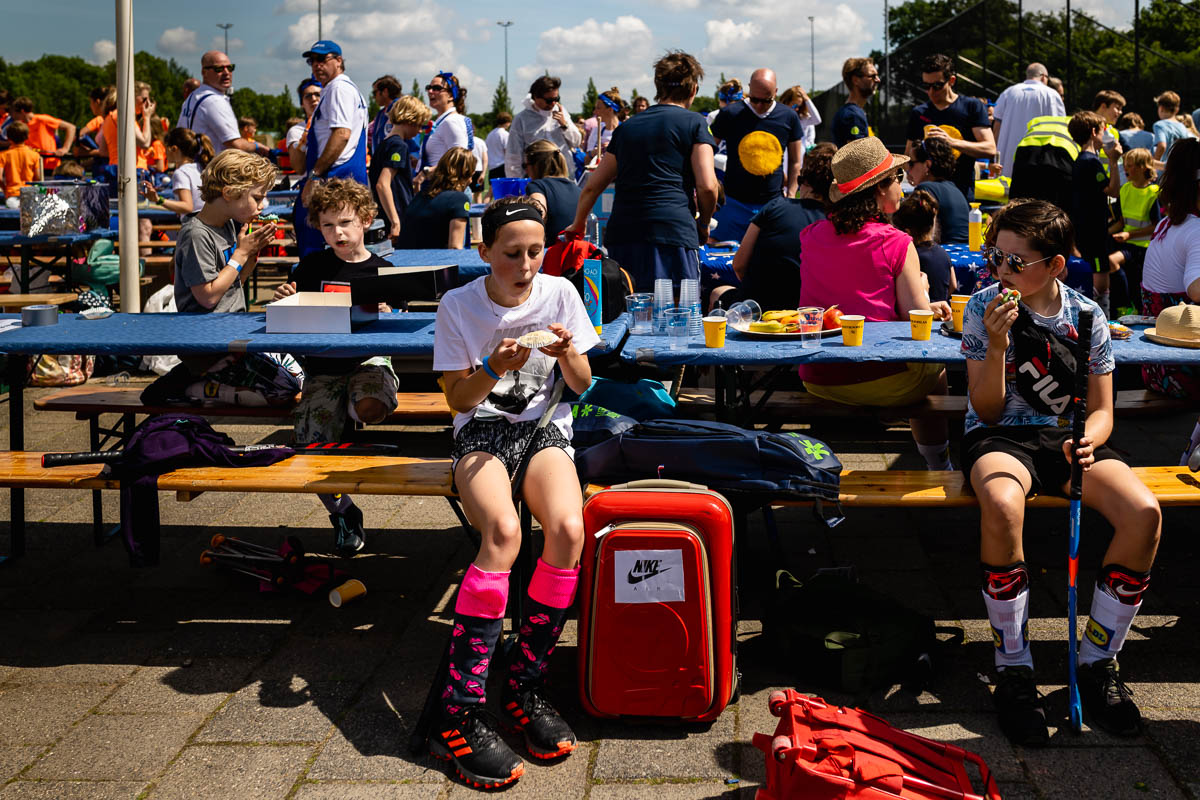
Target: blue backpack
747, 465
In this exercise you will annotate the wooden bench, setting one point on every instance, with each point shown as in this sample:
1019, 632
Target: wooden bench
431, 477
791, 405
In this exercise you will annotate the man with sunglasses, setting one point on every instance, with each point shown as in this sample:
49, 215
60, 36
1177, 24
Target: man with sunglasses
961, 120
542, 118
336, 145
757, 131
861, 77
207, 109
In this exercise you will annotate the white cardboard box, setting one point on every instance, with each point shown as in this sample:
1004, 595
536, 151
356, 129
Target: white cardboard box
316, 312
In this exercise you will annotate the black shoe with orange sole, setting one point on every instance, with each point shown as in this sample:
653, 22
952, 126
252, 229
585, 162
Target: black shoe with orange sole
547, 735
480, 757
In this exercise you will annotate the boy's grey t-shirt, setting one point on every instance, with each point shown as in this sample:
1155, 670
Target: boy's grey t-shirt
200, 254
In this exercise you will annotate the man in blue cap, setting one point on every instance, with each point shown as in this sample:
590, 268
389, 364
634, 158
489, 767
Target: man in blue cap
337, 136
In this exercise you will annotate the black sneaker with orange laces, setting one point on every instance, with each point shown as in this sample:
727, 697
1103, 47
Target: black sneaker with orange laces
480, 757
547, 735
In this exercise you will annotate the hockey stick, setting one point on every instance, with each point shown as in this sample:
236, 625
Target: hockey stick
316, 448
1083, 348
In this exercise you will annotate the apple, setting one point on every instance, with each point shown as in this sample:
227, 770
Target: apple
830, 321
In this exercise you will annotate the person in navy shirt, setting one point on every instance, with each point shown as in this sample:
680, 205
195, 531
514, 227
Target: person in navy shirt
436, 219
932, 169
550, 186
861, 77
961, 120
747, 178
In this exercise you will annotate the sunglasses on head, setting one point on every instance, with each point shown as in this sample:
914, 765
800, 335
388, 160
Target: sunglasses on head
759, 101
933, 87
995, 257
221, 67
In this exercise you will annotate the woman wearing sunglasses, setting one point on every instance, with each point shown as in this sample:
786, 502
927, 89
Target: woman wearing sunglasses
451, 127
932, 169
858, 261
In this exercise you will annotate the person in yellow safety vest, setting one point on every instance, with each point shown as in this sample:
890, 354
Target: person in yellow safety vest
1042, 162
1139, 214
993, 190
1109, 105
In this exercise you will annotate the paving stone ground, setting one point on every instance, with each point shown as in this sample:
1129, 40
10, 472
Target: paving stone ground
183, 682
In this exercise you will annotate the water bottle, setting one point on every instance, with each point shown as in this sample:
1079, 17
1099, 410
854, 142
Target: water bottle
592, 232
975, 228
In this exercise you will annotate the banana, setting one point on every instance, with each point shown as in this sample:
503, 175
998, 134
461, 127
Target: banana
777, 316
767, 326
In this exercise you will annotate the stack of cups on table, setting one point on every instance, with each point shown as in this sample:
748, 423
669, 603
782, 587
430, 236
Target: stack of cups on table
664, 298
689, 298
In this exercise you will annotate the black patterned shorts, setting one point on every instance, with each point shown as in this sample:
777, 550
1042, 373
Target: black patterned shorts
505, 440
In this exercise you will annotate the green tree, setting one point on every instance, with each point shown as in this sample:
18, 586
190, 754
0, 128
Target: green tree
500, 98
416, 90
590, 97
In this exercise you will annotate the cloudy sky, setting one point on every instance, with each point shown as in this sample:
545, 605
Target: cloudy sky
615, 44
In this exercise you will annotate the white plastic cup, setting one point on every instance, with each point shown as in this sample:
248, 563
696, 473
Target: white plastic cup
640, 306
664, 298
689, 297
678, 324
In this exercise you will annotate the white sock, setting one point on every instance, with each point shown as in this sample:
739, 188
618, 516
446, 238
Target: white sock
1107, 627
937, 456
1010, 629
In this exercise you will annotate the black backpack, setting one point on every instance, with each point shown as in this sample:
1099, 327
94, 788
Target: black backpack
754, 466
616, 285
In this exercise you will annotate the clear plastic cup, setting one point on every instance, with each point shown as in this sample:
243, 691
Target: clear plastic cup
810, 320
678, 322
689, 297
664, 298
640, 306
740, 315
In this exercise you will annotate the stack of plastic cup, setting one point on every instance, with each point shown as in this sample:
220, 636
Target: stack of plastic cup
689, 297
664, 298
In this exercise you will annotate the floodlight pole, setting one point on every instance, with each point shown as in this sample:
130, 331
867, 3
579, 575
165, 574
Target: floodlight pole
506, 24
320, 35
812, 56
225, 26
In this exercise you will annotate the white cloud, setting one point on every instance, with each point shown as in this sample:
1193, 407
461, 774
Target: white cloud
104, 51
618, 53
678, 5
178, 41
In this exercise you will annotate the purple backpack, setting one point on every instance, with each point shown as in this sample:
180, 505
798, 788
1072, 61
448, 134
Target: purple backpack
160, 444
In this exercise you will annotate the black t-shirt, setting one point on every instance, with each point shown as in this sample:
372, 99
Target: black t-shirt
427, 220
393, 154
735, 122
953, 211
964, 114
773, 272
1089, 207
655, 185
936, 266
850, 123
562, 195
310, 275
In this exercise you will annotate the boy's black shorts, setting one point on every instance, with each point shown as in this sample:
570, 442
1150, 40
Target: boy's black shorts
1095, 250
1038, 448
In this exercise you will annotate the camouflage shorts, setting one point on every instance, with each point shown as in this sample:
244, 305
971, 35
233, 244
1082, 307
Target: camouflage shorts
324, 408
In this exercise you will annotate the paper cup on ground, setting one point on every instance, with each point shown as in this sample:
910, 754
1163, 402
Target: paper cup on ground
346, 592
714, 331
958, 304
922, 324
852, 329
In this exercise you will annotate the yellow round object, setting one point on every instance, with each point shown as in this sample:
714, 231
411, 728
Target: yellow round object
760, 153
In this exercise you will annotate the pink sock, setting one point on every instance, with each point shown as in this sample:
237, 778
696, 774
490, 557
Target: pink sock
482, 594
553, 586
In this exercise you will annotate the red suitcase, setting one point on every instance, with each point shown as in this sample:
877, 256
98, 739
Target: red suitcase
824, 752
657, 608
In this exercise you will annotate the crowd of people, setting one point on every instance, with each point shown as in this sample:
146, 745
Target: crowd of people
818, 224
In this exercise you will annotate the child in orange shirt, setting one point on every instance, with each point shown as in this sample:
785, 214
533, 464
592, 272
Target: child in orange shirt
19, 164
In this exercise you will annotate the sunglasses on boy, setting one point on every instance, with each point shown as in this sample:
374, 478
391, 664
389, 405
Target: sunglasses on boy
995, 257
933, 87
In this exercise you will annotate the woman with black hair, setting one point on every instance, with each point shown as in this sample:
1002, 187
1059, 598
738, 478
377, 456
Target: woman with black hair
932, 170
451, 126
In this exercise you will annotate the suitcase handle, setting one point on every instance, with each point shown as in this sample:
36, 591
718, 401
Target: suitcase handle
660, 483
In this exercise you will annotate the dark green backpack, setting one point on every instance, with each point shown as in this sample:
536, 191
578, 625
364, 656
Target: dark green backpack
833, 631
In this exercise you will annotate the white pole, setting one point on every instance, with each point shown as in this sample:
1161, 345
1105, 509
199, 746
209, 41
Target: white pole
127, 162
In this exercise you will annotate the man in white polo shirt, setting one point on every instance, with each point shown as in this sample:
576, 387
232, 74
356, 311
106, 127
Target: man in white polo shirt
1017, 105
337, 136
207, 109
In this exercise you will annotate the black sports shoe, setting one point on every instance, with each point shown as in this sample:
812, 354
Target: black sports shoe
1107, 701
1022, 718
481, 758
348, 534
547, 735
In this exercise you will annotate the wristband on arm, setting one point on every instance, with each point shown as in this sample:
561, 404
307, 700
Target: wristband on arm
235, 265
491, 372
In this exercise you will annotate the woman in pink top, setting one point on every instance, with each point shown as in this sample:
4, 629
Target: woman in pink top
859, 262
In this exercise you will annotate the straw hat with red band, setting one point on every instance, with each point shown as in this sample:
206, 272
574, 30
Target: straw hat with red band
860, 164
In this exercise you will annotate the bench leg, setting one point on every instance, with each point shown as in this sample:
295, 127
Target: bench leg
99, 437
17, 370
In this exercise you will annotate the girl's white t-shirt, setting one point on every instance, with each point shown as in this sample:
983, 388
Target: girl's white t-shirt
187, 176
1173, 257
469, 326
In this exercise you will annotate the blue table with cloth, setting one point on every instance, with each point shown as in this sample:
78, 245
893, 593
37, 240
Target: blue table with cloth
57, 245
408, 338
470, 265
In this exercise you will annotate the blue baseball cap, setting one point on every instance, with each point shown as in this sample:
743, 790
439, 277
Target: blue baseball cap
323, 48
